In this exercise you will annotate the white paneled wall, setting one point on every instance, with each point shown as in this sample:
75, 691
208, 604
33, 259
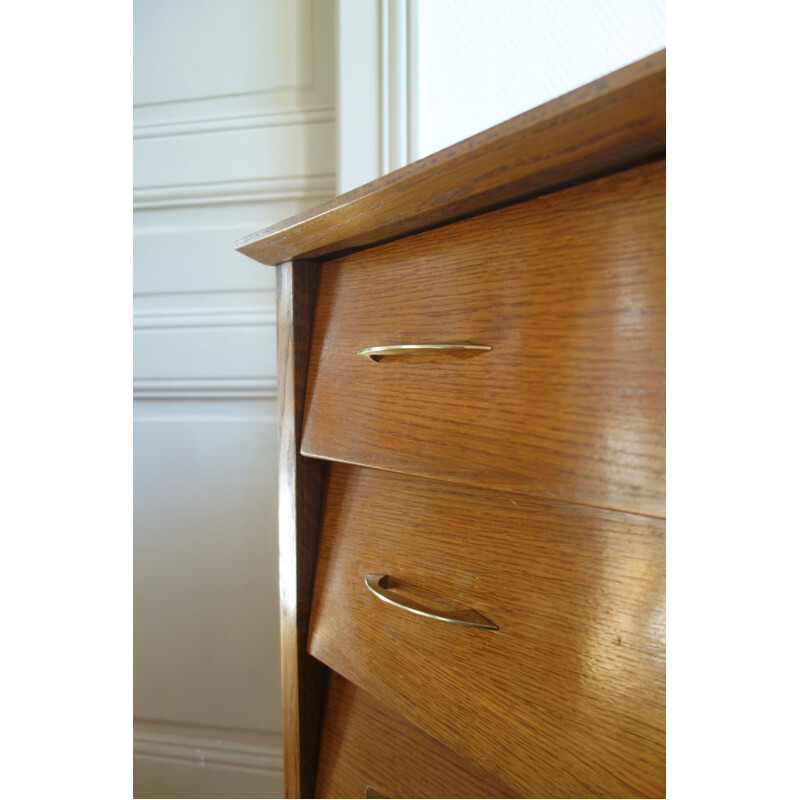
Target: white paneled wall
419, 75
234, 128
480, 62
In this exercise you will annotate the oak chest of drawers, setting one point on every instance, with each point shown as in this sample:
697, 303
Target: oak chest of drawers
471, 402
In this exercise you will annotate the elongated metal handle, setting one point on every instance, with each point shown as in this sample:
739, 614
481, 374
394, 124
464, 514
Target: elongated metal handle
377, 353
379, 584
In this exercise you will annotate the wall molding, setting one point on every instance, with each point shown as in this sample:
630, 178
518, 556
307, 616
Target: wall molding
205, 388
206, 752
398, 32
378, 88
191, 127
203, 318
265, 92
241, 191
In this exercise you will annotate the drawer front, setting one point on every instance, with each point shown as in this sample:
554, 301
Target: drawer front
364, 744
567, 697
568, 290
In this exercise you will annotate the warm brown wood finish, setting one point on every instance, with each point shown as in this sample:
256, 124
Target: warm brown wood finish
568, 289
603, 126
365, 744
525, 483
567, 698
300, 496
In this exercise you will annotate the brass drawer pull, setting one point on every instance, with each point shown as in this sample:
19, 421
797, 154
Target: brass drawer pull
379, 584
377, 353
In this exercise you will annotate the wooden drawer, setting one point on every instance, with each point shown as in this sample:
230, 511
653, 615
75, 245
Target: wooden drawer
567, 697
364, 744
568, 290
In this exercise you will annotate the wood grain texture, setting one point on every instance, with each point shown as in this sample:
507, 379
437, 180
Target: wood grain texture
566, 699
568, 289
301, 483
603, 126
364, 743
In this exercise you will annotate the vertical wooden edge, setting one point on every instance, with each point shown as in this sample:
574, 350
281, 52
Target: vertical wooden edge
301, 484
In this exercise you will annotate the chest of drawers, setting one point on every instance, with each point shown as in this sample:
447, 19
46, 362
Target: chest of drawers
471, 402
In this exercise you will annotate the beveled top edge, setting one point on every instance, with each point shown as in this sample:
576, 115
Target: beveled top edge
604, 125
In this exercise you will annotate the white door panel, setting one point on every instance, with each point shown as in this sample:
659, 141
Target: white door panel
234, 129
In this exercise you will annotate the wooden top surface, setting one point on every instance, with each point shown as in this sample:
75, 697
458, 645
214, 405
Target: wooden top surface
608, 124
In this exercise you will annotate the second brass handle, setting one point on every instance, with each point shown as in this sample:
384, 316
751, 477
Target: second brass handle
379, 585
377, 353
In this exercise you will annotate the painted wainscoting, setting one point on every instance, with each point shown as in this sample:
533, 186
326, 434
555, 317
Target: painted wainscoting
234, 128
